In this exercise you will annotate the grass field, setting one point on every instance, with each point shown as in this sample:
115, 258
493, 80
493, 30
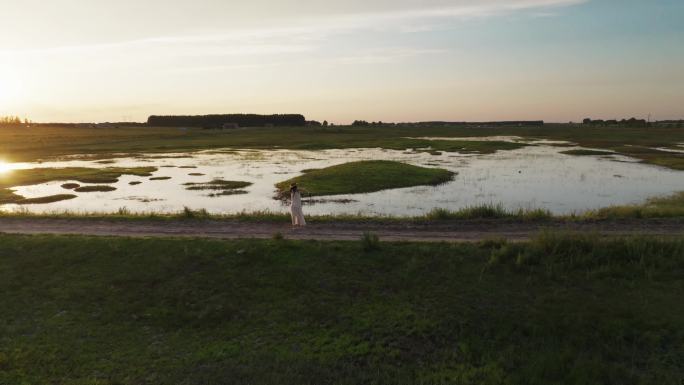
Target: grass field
562, 310
30, 144
365, 177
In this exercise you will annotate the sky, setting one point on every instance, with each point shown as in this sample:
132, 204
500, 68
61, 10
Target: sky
387, 60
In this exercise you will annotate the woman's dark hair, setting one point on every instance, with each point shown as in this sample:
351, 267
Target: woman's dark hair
293, 187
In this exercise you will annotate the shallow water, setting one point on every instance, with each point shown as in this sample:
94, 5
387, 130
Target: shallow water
530, 177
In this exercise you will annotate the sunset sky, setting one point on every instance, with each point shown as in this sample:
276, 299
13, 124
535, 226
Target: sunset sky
389, 60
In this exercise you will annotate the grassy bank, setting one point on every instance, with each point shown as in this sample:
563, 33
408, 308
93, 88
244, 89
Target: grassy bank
659, 207
365, 177
666, 207
562, 310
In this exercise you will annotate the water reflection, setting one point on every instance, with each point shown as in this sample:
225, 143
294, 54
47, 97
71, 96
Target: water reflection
530, 177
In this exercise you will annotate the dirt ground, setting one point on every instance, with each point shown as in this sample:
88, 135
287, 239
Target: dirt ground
455, 231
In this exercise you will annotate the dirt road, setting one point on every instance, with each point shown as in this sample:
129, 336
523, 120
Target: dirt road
461, 231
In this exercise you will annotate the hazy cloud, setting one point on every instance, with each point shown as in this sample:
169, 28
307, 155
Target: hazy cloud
296, 34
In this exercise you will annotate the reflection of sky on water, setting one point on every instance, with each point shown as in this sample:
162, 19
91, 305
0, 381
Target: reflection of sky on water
531, 177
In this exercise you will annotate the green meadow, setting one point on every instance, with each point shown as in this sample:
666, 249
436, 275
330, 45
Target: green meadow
561, 309
33, 143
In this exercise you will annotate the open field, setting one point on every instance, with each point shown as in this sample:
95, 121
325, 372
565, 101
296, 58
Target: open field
30, 144
561, 309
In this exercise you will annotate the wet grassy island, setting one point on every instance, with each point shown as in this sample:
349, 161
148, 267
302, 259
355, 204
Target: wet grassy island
81, 174
365, 177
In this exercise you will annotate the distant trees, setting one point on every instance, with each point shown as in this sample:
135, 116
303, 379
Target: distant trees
363, 123
217, 121
13, 121
632, 122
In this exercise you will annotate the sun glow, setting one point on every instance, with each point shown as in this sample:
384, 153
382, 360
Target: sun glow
5, 167
10, 87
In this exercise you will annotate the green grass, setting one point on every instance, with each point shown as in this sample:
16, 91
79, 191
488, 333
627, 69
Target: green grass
219, 187
217, 184
559, 310
7, 196
488, 211
586, 152
81, 174
46, 199
659, 207
365, 177
86, 189
31, 144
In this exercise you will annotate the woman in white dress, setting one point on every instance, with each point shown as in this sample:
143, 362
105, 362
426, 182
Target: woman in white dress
296, 206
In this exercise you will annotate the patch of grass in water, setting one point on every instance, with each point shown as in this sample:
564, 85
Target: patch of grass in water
219, 187
86, 189
217, 184
366, 177
46, 199
586, 152
26, 177
226, 193
135, 183
8, 196
70, 186
160, 178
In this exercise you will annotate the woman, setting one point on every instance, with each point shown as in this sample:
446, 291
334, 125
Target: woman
296, 206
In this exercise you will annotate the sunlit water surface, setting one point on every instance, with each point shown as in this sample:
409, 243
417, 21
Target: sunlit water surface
531, 177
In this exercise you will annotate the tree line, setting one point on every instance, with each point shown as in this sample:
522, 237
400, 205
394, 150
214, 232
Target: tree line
219, 121
13, 121
632, 122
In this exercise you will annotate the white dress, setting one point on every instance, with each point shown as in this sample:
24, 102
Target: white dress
296, 209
